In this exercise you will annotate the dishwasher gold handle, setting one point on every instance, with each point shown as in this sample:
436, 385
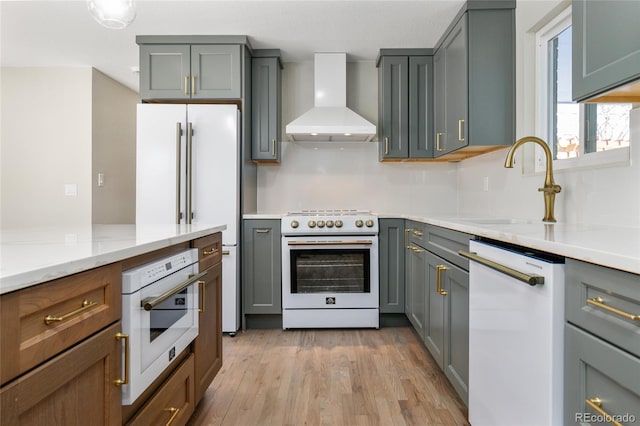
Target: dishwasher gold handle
120, 382
86, 304
596, 404
151, 302
598, 302
513, 273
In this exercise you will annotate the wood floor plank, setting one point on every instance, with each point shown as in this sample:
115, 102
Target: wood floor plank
328, 377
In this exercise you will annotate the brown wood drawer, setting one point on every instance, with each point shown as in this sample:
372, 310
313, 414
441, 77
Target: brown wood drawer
605, 302
75, 387
177, 393
27, 340
209, 250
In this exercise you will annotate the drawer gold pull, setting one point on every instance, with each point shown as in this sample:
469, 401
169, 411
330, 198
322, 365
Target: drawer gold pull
596, 404
439, 270
415, 249
417, 233
209, 252
203, 292
598, 302
174, 413
120, 382
86, 304
262, 231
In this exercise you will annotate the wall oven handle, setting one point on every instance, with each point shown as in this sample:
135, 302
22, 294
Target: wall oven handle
330, 243
151, 302
513, 273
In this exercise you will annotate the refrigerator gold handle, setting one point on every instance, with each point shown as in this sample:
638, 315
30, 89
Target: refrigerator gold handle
178, 159
189, 172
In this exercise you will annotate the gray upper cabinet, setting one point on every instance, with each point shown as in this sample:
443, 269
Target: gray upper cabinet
475, 82
405, 104
262, 267
604, 59
266, 106
171, 68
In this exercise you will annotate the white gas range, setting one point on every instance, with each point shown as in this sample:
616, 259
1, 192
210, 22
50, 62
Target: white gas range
330, 269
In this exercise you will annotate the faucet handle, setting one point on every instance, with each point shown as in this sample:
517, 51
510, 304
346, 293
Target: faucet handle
554, 189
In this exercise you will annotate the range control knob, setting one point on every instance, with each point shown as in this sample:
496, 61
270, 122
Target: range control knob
312, 224
294, 224
369, 223
359, 223
339, 223
321, 224
329, 224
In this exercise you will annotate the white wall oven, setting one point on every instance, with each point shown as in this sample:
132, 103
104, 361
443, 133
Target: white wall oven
330, 270
160, 316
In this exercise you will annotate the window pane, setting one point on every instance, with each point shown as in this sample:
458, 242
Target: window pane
565, 114
611, 129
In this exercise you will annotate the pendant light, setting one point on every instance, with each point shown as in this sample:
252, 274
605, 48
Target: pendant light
113, 14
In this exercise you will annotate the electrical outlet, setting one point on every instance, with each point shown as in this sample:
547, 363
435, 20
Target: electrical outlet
485, 183
71, 189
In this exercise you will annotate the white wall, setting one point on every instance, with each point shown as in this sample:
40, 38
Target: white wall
350, 176
46, 143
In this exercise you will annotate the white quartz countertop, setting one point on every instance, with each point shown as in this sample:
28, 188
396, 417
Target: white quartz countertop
34, 255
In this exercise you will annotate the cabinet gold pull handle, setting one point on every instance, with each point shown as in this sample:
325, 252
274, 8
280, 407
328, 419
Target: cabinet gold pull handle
203, 293
386, 146
174, 413
439, 270
438, 135
460, 127
262, 231
210, 252
406, 238
417, 233
186, 85
598, 302
416, 249
86, 304
120, 382
193, 85
273, 147
596, 404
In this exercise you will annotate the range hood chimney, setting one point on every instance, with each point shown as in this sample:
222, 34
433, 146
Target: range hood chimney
330, 119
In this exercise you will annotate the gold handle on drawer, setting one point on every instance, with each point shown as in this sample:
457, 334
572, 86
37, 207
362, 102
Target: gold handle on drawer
120, 382
406, 238
186, 85
386, 146
174, 413
439, 270
460, 128
273, 147
417, 233
210, 252
262, 231
598, 302
86, 304
596, 404
415, 249
438, 135
203, 297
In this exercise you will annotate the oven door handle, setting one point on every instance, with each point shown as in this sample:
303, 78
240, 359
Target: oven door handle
151, 302
330, 243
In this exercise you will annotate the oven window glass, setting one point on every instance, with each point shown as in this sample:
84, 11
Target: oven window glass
330, 271
168, 313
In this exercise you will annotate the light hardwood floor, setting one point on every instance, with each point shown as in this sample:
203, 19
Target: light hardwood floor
329, 377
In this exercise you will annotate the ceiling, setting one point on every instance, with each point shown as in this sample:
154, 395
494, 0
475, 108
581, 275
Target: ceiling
55, 33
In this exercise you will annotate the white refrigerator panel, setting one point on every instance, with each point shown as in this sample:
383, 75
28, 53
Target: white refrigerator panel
230, 290
215, 162
157, 166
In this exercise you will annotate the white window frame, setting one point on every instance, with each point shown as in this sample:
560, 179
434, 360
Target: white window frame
614, 157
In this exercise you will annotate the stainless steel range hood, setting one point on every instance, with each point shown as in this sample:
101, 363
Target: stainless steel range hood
330, 119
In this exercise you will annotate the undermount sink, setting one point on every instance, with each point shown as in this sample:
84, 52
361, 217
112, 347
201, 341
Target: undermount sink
498, 221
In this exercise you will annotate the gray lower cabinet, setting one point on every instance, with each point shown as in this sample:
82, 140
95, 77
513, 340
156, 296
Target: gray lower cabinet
437, 298
173, 69
261, 266
604, 59
266, 106
405, 104
474, 75
392, 269
602, 353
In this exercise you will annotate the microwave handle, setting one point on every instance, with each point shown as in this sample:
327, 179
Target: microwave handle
151, 302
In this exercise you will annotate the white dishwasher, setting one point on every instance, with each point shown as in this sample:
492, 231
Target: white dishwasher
516, 337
